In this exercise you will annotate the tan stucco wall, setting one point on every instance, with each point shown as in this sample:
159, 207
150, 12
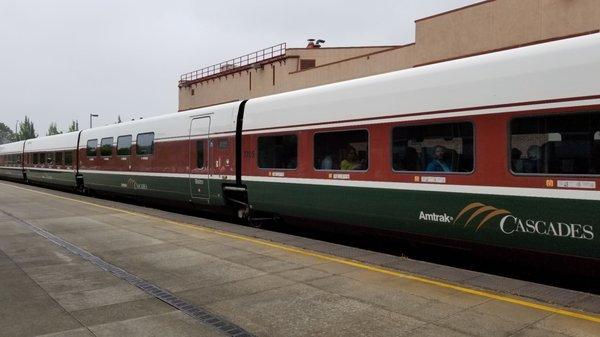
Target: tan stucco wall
241, 85
488, 26
502, 23
329, 55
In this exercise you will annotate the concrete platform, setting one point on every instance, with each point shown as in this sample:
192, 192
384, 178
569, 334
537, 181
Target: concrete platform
269, 284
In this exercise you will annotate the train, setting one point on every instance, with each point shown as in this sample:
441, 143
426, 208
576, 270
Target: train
494, 150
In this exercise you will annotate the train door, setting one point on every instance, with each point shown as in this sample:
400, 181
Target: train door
199, 145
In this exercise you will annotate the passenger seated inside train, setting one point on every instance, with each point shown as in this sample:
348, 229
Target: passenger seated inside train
343, 150
327, 163
352, 161
438, 163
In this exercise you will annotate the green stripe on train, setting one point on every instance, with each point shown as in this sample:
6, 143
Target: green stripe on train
52, 177
554, 225
172, 188
544, 224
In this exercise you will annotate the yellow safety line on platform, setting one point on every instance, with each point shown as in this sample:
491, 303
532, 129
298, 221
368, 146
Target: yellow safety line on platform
360, 265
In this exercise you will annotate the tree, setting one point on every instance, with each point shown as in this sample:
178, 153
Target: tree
53, 130
74, 126
6, 134
26, 130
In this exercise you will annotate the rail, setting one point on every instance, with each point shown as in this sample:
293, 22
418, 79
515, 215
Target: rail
238, 62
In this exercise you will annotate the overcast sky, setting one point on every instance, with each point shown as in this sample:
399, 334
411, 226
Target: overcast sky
61, 60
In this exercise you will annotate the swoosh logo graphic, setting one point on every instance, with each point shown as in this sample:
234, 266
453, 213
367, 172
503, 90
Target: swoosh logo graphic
466, 209
480, 209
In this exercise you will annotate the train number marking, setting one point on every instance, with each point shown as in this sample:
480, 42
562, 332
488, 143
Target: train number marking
576, 184
435, 180
342, 176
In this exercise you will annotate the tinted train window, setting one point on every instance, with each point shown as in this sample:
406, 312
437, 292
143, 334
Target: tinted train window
50, 158
145, 144
433, 148
42, 158
200, 154
556, 144
280, 152
124, 145
106, 146
35, 158
68, 158
58, 158
345, 150
92, 144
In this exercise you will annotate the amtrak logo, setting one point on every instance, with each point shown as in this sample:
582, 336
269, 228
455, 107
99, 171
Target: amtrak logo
477, 215
131, 183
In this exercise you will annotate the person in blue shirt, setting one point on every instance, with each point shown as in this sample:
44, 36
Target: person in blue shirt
437, 164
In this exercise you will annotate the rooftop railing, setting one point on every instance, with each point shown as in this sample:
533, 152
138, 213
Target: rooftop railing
238, 62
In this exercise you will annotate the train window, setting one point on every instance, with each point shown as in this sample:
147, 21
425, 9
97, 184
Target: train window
124, 145
42, 158
344, 150
556, 144
200, 154
223, 144
145, 144
35, 158
106, 148
68, 158
278, 152
433, 148
91, 148
50, 158
58, 158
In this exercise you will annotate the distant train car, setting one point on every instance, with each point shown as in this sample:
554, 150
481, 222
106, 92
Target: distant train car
181, 157
499, 150
52, 160
11, 161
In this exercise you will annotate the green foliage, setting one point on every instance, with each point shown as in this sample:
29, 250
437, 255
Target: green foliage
74, 126
26, 130
6, 134
53, 130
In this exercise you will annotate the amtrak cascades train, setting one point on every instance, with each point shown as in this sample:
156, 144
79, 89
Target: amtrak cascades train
497, 150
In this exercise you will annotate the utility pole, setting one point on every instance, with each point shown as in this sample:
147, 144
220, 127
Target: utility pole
16, 134
91, 116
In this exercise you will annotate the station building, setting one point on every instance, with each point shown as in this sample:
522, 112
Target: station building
480, 28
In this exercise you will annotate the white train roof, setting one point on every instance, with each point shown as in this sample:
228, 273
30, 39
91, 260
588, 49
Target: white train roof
11, 148
553, 70
62, 142
170, 126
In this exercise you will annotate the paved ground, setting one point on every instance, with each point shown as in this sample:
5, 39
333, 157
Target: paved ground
267, 289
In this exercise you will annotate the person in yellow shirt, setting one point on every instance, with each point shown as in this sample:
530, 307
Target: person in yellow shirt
351, 162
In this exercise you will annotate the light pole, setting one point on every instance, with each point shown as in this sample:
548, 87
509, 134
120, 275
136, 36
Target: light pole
91, 116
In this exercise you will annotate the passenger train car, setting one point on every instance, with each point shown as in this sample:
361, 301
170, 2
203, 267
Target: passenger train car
496, 150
